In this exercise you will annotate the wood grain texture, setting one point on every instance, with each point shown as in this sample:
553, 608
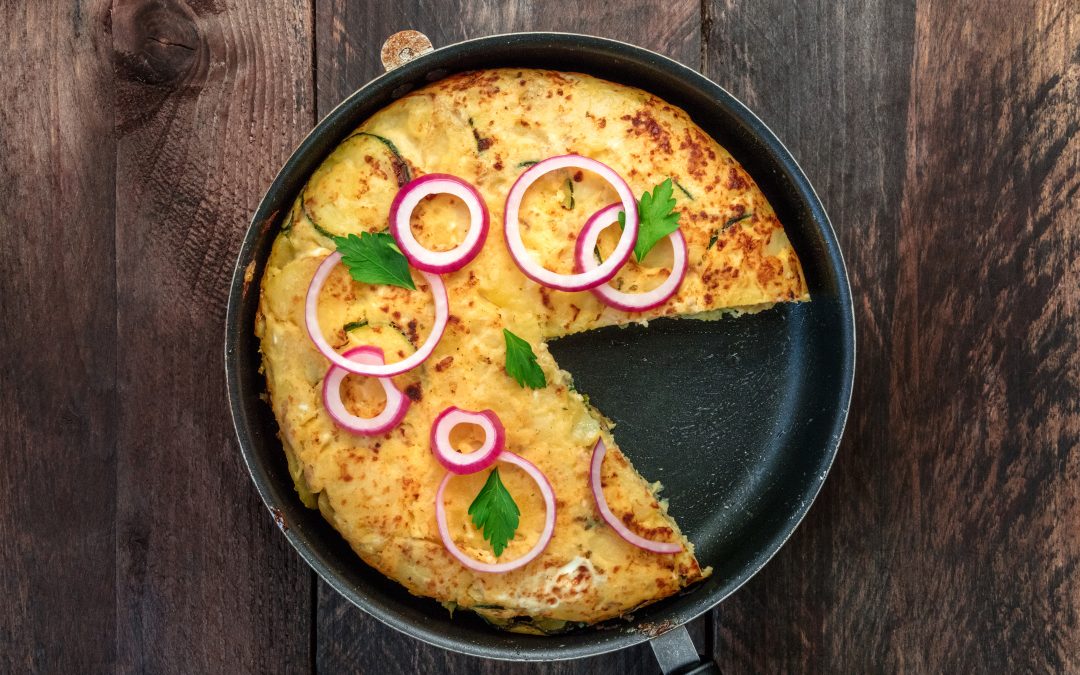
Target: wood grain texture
58, 343
137, 136
831, 80
984, 495
348, 38
349, 34
944, 145
211, 99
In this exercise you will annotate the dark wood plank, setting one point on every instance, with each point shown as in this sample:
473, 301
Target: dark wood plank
832, 81
58, 345
986, 360
943, 541
349, 640
210, 102
348, 37
349, 33
944, 143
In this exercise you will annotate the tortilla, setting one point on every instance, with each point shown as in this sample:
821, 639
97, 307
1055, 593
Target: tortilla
379, 492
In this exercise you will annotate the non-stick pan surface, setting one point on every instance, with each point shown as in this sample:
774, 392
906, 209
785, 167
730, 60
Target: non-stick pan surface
739, 418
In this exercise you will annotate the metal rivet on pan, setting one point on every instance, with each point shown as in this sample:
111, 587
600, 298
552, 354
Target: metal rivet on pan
402, 47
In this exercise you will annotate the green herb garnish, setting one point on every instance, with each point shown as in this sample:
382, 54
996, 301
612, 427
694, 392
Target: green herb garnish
732, 221
716, 233
495, 513
375, 259
528, 162
521, 362
683, 190
657, 218
353, 325
568, 200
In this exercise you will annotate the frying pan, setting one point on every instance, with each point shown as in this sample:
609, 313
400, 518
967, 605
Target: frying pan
739, 418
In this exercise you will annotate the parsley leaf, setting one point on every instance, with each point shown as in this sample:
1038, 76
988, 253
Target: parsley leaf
495, 513
375, 259
353, 325
658, 218
521, 363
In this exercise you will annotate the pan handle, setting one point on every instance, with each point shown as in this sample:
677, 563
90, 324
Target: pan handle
676, 654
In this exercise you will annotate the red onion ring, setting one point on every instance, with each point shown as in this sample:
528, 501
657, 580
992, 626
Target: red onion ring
583, 280
546, 491
397, 403
311, 319
629, 302
477, 460
406, 201
605, 511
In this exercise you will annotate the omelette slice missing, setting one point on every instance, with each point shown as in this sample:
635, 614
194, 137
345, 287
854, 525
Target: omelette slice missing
379, 492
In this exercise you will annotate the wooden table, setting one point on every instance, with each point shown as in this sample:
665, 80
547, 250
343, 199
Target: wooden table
136, 138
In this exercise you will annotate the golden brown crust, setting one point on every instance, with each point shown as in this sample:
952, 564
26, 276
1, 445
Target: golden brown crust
379, 492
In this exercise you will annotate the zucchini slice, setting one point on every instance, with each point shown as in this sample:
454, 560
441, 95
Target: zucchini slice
353, 188
388, 336
401, 167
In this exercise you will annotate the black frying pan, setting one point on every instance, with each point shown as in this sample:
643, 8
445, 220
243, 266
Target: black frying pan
739, 418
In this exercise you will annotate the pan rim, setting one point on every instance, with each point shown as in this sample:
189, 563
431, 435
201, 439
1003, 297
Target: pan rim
602, 641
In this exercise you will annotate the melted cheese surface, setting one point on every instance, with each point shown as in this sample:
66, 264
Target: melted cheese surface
379, 491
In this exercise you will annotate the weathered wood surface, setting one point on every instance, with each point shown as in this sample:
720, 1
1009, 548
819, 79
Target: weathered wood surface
210, 100
138, 135
58, 350
943, 140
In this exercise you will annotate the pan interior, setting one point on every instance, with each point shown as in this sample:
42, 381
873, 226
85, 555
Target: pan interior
739, 418
721, 412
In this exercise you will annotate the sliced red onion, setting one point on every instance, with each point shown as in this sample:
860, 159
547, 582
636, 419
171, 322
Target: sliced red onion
546, 492
423, 258
311, 319
583, 280
397, 403
629, 302
605, 511
477, 460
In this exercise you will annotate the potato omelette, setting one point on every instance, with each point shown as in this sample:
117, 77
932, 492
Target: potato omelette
486, 127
